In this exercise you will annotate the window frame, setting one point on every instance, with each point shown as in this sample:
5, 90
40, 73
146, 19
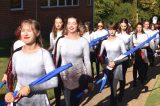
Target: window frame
57, 6
16, 9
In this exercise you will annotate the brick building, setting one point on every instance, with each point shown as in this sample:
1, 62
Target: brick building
12, 12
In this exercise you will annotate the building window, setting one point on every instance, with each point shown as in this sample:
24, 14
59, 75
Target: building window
53, 3
16, 4
59, 3
89, 2
75, 2
69, 2
44, 2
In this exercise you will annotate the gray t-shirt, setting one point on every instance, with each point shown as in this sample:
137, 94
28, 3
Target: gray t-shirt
29, 67
75, 52
114, 48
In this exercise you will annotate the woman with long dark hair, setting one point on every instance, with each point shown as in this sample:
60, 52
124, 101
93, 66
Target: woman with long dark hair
123, 32
141, 59
57, 32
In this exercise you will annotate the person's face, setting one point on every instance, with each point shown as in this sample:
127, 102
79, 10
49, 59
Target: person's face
123, 26
87, 27
112, 32
152, 27
100, 26
58, 23
28, 36
72, 25
146, 25
139, 28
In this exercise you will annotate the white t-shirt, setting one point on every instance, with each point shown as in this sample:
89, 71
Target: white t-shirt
17, 44
53, 40
100, 33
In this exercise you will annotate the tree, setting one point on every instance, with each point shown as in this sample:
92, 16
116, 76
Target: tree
114, 10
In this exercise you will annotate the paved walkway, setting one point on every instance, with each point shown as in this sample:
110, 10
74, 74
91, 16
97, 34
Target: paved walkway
133, 96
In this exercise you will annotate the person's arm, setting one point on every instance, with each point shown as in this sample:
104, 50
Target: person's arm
102, 49
58, 48
51, 42
53, 82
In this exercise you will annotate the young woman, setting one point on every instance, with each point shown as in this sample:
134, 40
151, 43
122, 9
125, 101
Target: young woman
113, 52
141, 59
89, 36
123, 33
73, 49
148, 32
16, 47
30, 63
57, 31
99, 33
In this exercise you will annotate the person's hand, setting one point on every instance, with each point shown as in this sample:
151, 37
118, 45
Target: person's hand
4, 79
24, 91
111, 64
90, 86
9, 97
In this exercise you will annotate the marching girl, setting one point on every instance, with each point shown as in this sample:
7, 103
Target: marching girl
150, 49
123, 32
57, 31
30, 63
113, 52
73, 49
141, 59
89, 36
156, 40
99, 33
16, 47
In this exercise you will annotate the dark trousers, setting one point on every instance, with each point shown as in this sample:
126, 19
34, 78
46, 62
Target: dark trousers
123, 82
139, 66
151, 57
58, 91
93, 59
113, 98
71, 98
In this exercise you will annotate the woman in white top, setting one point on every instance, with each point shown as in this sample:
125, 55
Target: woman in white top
57, 31
16, 46
123, 32
113, 52
73, 49
89, 36
99, 33
141, 58
150, 49
30, 63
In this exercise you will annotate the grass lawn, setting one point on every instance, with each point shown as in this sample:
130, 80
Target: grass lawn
154, 97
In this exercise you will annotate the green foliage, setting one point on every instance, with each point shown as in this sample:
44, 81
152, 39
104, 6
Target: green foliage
114, 10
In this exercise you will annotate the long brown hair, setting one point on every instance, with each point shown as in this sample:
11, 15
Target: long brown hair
137, 31
35, 28
66, 22
54, 30
124, 20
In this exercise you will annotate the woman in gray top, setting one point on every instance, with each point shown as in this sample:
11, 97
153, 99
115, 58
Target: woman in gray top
114, 47
30, 63
73, 49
